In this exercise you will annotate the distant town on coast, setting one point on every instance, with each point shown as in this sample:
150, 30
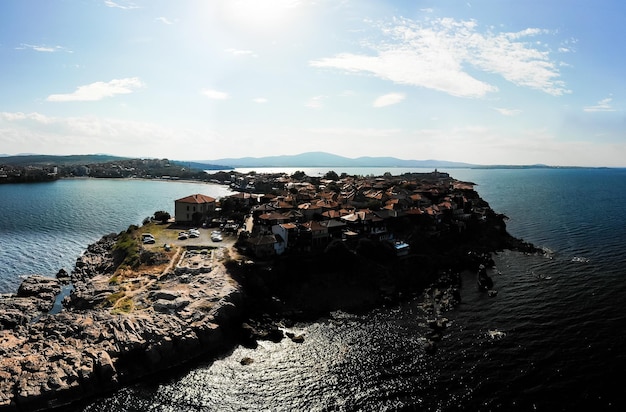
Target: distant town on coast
41, 168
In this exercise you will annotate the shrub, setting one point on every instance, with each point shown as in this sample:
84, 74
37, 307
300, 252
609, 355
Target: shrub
162, 216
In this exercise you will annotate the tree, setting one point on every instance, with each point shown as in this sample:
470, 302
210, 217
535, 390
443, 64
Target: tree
162, 216
298, 175
331, 175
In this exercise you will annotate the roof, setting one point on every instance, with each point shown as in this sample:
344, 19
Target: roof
197, 199
262, 240
332, 223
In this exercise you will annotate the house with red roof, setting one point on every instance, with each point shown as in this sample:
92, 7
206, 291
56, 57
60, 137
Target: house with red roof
193, 208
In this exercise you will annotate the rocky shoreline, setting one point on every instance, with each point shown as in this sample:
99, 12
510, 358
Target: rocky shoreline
112, 332
50, 360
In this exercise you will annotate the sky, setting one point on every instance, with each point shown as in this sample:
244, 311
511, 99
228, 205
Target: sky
484, 82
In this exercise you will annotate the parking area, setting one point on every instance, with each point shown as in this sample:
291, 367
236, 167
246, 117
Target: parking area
170, 235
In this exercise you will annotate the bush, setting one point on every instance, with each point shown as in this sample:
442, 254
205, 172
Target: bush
162, 216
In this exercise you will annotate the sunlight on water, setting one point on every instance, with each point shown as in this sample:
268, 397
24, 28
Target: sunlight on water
549, 340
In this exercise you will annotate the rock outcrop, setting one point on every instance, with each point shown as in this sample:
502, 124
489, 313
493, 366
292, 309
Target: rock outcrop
96, 342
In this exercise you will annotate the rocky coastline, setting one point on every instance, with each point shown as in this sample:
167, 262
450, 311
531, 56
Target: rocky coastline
115, 328
50, 360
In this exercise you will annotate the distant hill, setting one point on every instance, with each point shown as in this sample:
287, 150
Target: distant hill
48, 160
322, 159
202, 165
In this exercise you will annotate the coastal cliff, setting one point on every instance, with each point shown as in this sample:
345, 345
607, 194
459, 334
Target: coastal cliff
95, 344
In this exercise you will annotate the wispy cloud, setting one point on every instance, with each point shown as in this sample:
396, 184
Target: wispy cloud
238, 52
507, 112
124, 5
42, 133
603, 105
316, 102
43, 48
99, 90
260, 100
215, 94
389, 99
434, 54
165, 20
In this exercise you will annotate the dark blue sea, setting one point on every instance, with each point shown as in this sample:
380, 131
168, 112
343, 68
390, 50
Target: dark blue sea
553, 339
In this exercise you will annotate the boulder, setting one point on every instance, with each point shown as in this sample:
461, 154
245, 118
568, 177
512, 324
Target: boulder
16, 311
63, 276
44, 289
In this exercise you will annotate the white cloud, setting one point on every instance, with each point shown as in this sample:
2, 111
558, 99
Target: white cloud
316, 102
260, 100
434, 54
215, 94
42, 48
389, 99
603, 105
507, 112
127, 6
99, 90
39, 133
164, 20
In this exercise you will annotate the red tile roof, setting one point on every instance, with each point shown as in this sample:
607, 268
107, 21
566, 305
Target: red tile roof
197, 199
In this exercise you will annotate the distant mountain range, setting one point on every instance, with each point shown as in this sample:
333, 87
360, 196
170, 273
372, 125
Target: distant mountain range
309, 159
88, 159
322, 159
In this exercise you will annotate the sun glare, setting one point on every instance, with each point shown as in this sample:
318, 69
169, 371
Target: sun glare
260, 15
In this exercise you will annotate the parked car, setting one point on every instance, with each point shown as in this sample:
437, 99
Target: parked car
183, 235
216, 236
194, 233
148, 239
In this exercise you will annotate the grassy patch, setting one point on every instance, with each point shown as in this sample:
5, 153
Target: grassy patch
124, 305
112, 299
160, 231
126, 249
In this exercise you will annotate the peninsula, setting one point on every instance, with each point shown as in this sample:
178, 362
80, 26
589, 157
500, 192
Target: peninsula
238, 269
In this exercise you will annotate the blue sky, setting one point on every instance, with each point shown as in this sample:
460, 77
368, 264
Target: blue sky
486, 82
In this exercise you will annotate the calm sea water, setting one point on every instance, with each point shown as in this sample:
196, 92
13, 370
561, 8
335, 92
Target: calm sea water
552, 339
45, 226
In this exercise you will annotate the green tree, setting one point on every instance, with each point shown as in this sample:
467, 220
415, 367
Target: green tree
331, 175
162, 216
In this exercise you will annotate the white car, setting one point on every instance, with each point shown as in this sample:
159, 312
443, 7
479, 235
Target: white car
194, 233
183, 235
148, 239
216, 236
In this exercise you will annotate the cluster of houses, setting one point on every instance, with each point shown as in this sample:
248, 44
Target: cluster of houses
306, 216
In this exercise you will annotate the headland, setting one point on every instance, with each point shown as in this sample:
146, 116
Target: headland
140, 306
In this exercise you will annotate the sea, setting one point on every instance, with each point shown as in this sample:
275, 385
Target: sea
552, 339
